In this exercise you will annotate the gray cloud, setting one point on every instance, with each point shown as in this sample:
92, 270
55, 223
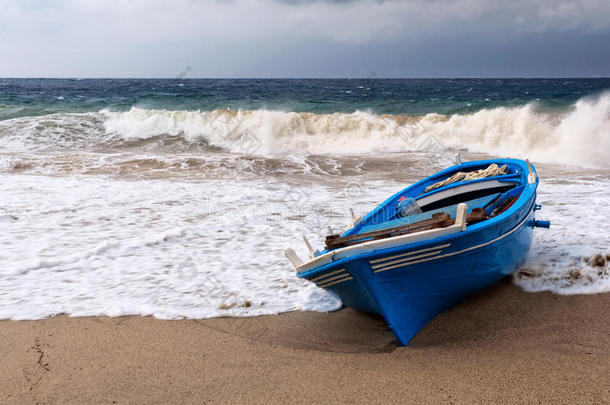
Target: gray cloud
224, 38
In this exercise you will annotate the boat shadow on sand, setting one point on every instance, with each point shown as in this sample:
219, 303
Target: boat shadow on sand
497, 312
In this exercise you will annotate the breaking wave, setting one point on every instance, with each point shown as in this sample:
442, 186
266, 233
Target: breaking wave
578, 136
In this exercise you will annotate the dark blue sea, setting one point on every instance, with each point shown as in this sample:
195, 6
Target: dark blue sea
27, 97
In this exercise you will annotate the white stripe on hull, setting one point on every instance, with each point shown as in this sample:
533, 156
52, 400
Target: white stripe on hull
383, 259
327, 275
399, 263
427, 259
326, 280
336, 282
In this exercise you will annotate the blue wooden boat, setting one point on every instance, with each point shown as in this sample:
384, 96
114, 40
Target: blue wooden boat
463, 229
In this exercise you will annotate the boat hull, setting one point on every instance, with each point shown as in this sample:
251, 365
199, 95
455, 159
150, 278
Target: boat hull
410, 287
411, 278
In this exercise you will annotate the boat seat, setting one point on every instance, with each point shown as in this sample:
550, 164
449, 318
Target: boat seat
451, 210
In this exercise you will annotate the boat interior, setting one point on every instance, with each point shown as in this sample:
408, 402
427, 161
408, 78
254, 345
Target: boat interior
433, 203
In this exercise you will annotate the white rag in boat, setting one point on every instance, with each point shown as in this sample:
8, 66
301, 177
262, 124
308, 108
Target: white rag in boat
492, 170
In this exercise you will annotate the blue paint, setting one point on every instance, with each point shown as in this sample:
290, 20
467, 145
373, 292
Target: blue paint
431, 276
542, 224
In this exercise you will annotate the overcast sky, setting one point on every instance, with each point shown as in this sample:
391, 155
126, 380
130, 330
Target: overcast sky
301, 38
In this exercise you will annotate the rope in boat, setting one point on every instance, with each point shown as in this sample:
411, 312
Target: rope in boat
492, 170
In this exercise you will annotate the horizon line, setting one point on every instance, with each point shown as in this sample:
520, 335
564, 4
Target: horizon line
300, 78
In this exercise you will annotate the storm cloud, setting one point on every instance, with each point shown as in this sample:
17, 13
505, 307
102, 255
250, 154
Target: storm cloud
299, 38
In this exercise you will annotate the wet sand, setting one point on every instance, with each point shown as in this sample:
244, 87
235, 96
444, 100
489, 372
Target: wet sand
503, 345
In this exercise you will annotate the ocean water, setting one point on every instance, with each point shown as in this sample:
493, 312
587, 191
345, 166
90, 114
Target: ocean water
176, 197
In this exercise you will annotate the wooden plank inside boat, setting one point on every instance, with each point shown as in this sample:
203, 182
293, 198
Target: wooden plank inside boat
438, 220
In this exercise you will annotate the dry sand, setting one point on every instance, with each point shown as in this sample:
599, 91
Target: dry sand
503, 345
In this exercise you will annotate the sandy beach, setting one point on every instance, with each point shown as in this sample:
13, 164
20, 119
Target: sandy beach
503, 345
